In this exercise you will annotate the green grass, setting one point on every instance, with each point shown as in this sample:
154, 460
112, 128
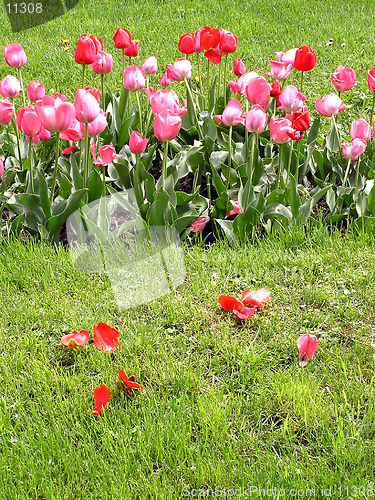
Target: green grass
225, 403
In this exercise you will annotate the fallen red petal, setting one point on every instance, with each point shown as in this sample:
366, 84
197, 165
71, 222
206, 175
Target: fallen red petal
258, 298
105, 338
101, 397
76, 339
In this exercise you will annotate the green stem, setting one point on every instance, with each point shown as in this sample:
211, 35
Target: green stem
140, 113
252, 163
298, 152
80, 153
31, 169
137, 186
199, 72
372, 110
246, 134
83, 75
338, 137
123, 61
356, 176
342, 187
301, 81
225, 80
103, 100
86, 159
219, 85
56, 166
289, 160
195, 111
279, 171
164, 170
208, 77
208, 177
18, 139
23, 93
229, 157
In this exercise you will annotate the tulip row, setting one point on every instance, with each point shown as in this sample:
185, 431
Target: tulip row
244, 157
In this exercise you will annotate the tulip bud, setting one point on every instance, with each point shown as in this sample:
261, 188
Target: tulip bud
35, 90
122, 38
15, 56
150, 66
137, 145
239, 67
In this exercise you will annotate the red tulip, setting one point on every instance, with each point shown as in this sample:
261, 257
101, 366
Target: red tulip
356, 148
129, 381
106, 338
57, 117
133, 49
307, 345
236, 307
97, 126
200, 224
228, 42
275, 89
70, 150
186, 45
371, 79
179, 70
86, 105
101, 397
87, 48
167, 125
137, 145
6, 112
122, 38
103, 63
239, 67
300, 119
344, 79
305, 59
291, 99
258, 298
213, 56
235, 210
15, 56
360, 129
134, 78
150, 66
258, 91
76, 339
28, 121
106, 156
281, 130
73, 133
232, 114
256, 119
35, 90
10, 87
209, 38
330, 105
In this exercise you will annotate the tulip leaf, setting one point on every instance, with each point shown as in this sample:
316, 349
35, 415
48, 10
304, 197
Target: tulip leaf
332, 140
148, 156
65, 185
227, 228
361, 204
121, 166
183, 222
244, 223
73, 203
29, 201
294, 199
307, 207
16, 224
278, 211
161, 212
43, 194
169, 187
123, 103
95, 186
314, 131
371, 201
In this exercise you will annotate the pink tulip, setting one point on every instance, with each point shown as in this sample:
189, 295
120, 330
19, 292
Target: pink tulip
1, 167
307, 345
86, 105
35, 90
281, 130
344, 78
15, 56
256, 119
73, 133
69, 150
179, 70
235, 210
103, 63
258, 91
198, 48
279, 71
97, 126
228, 42
239, 67
164, 80
56, 117
10, 87
6, 112
356, 148
199, 224
232, 114
371, 79
167, 125
28, 121
360, 129
133, 49
287, 57
134, 78
150, 66
166, 99
107, 155
291, 99
239, 87
43, 135
137, 145
330, 105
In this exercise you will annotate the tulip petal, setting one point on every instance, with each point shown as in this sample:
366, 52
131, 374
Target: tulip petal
101, 397
258, 298
129, 381
105, 338
76, 339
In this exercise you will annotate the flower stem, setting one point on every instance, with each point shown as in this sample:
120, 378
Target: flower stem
229, 157
18, 139
208, 177
195, 111
246, 134
219, 85
343, 186
56, 166
289, 160
279, 171
338, 137
137, 187
140, 113
252, 162
86, 159
103, 100
301, 81
208, 77
123, 61
23, 93
31, 166
199, 72
372, 110
298, 152
164, 170
225, 80
83, 75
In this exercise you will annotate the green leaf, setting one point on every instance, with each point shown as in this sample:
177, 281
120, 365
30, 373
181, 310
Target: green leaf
294, 199
73, 202
331, 139
307, 207
161, 212
371, 201
278, 211
314, 131
94, 185
227, 227
43, 194
16, 224
123, 103
122, 168
75, 172
66, 186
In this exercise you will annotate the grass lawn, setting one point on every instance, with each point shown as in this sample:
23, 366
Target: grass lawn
225, 403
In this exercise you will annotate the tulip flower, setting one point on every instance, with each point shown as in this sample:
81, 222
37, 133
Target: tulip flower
101, 397
106, 155
165, 99
209, 38
106, 338
228, 42
232, 114
70, 150
200, 224
213, 56
300, 119
236, 307
86, 50
256, 119
6, 112
291, 99
360, 129
305, 59
164, 80
330, 105
279, 71
122, 38
15, 56
197, 41
28, 121
137, 145
275, 89
73, 133
134, 78
281, 130
76, 339
239, 67
371, 79
150, 66
56, 116
307, 345
129, 381
258, 298
344, 79
287, 57
258, 91
186, 45
10, 87
356, 148
133, 49
97, 126
86, 106
103, 63
35, 90
179, 70
235, 210
1, 167
239, 87
167, 125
